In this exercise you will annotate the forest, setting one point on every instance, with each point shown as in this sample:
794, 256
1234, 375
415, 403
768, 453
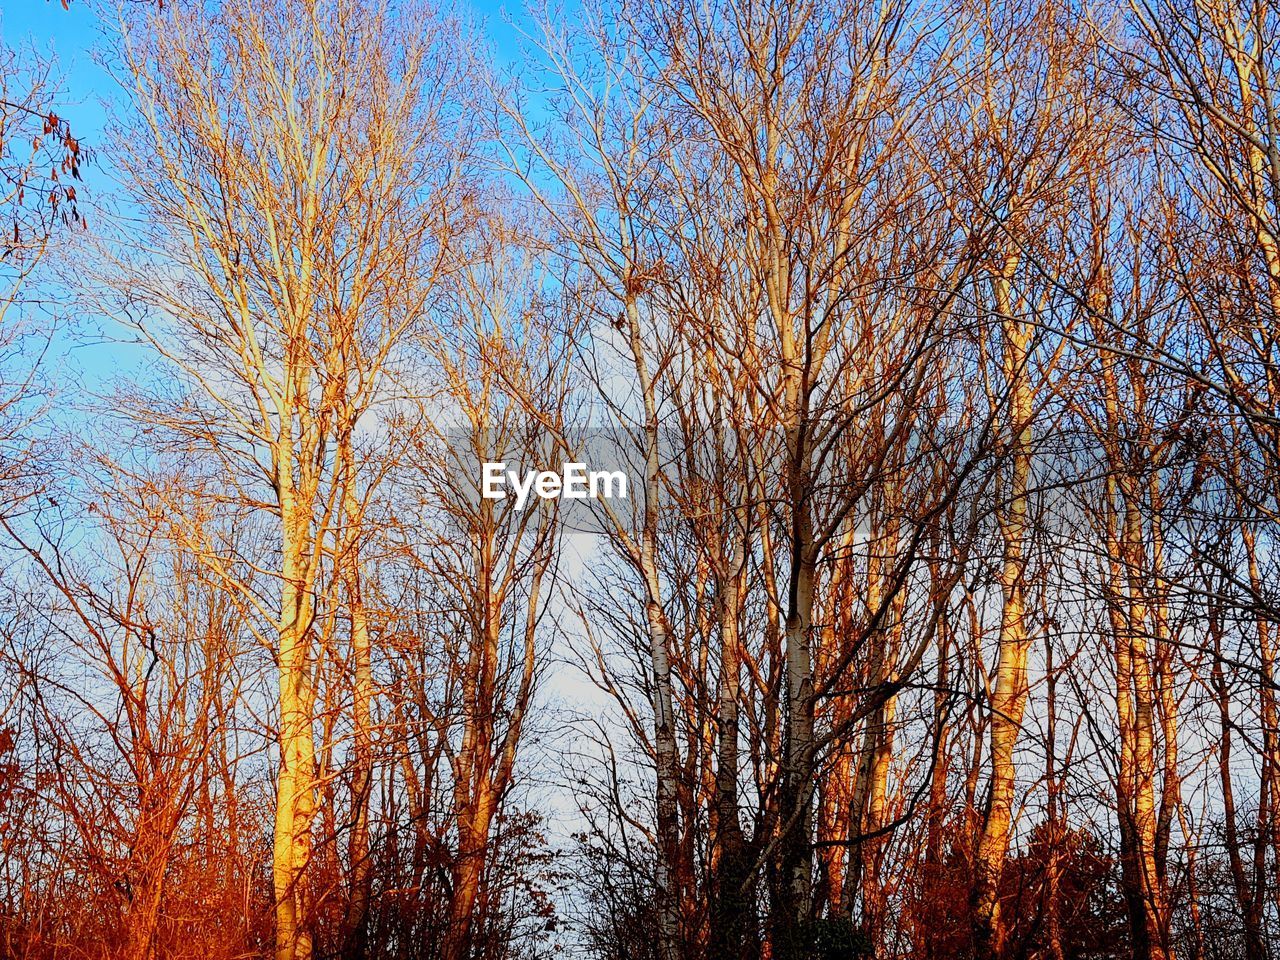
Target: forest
934, 348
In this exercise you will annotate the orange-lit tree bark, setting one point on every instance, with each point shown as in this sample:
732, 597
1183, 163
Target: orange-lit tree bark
1133, 617
1035, 107
292, 161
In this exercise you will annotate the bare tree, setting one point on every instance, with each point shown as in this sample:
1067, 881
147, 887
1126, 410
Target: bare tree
296, 164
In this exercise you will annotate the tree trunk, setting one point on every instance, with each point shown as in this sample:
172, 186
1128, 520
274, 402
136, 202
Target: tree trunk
362, 704
1250, 906
733, 932
1009, 696
667, 876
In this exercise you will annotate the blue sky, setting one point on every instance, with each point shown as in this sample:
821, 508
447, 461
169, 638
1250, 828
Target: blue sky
72, 36
69, 35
